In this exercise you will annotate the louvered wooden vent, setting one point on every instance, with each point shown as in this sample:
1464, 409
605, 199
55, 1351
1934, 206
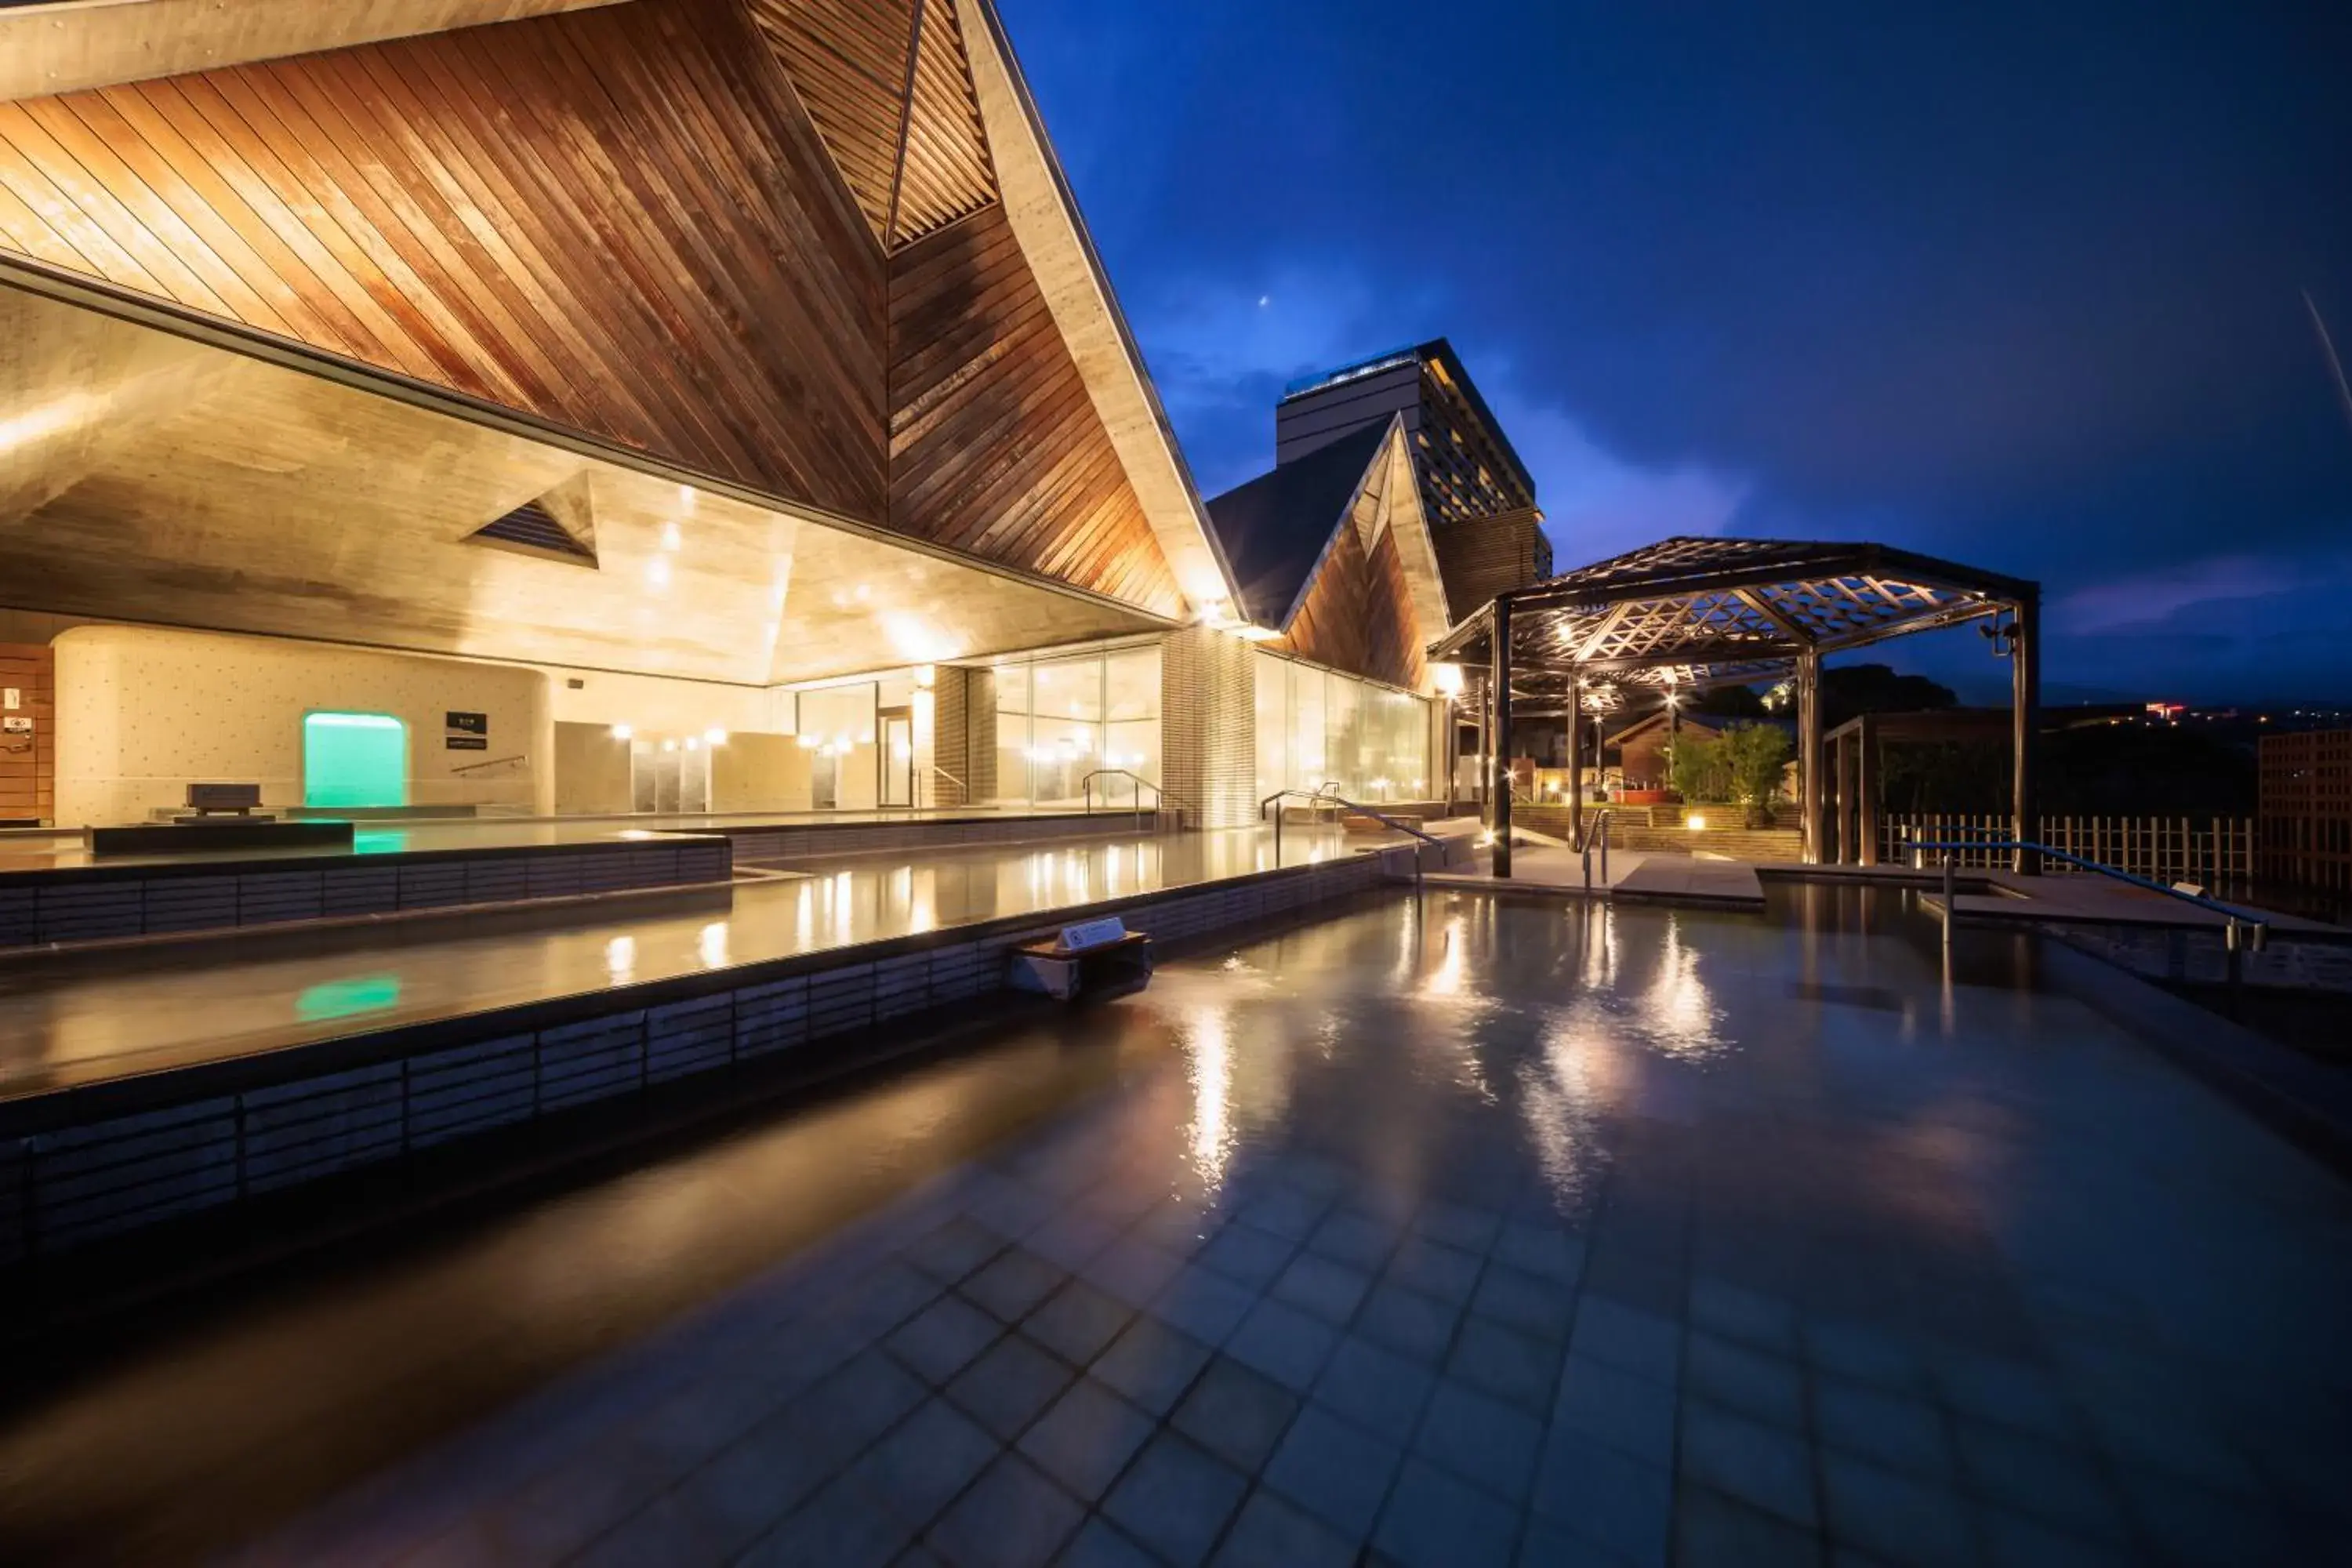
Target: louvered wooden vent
532, 527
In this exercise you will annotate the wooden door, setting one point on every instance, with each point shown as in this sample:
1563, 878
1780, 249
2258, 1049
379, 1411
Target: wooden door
28, 744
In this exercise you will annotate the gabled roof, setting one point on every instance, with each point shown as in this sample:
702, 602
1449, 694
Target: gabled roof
1275, 528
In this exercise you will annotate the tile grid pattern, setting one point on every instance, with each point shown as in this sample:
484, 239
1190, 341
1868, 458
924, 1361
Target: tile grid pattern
1116, 1341
1036, 1365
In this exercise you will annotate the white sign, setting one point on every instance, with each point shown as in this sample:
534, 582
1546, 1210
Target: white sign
16, 726
11, 699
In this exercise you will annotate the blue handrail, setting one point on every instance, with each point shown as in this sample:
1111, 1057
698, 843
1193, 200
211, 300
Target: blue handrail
2215, 905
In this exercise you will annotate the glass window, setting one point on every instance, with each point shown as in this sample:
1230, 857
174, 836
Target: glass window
1131, 724
1273, 725
1318, 727
838, 722
1065, 741
1012, 733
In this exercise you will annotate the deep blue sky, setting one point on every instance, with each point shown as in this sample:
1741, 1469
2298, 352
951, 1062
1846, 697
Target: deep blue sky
2020, 285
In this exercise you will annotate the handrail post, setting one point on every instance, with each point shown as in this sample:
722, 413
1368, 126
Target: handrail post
1950, 891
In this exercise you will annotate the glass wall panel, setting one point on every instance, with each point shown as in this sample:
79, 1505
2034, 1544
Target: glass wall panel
1013, 734
1131, 724
838, 722
1310, 747
1066, 739
1273, 725
1316, 727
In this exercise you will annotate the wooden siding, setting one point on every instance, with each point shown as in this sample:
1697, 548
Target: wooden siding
995, 445
907, 142
1358, 613
619, 220
28, 762
847, 59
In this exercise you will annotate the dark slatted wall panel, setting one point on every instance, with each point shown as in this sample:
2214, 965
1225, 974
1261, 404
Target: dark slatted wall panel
618, 219
995, 446
1480, 557
1358, 616
27, 761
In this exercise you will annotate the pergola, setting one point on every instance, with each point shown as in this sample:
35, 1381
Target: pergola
1687, 613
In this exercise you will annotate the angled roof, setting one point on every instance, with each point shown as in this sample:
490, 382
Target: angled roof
1275, 528
1691, 612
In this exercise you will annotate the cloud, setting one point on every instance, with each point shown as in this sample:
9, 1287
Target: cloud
1596, 504
2147, 600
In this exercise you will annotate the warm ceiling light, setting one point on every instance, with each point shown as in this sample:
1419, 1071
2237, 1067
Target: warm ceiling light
714, 735
623, 732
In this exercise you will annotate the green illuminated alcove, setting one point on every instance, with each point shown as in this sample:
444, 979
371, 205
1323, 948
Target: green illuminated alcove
354, 759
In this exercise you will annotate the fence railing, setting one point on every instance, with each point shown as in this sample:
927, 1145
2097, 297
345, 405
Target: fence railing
2212, 852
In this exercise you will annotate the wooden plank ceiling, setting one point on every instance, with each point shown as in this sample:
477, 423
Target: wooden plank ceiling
1358, 615
585, 217
667, 223
995, 445
907, 142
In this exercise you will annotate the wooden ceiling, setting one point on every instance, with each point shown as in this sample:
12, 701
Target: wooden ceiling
889, 88
654, 222
517, 213
154, 479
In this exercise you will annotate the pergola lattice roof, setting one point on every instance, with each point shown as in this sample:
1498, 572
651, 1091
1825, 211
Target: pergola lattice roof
1693, 612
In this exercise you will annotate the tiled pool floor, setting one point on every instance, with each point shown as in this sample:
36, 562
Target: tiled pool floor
1495, 1233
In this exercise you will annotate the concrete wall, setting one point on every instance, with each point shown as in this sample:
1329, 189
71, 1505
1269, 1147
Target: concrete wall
759, 772
144, 711
591, 770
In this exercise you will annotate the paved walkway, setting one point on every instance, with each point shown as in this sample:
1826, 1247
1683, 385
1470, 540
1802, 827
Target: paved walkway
1628, 873
1490, 1235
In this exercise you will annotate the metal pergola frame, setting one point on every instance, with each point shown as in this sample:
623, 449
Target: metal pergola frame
1687, 613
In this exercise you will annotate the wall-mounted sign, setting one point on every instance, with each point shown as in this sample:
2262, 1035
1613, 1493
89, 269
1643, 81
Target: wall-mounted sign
469, 744
16, 726
470, 723
11, 698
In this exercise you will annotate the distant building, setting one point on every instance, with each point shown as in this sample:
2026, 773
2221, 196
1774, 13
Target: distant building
1477, 497
2303, 832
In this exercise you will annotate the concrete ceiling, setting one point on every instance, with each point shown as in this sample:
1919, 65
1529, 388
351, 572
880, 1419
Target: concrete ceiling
149, 475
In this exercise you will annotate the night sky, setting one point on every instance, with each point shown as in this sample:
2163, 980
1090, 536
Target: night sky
2023, 288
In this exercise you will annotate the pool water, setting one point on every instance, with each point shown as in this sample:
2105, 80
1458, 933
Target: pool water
1462, 1229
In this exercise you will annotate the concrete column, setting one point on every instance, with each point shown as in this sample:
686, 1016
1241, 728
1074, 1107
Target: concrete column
1498, 765
2025, 730
1808, 753
1208, 726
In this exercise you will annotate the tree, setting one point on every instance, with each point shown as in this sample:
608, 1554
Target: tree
1729, 702
1694, 763
1753, 758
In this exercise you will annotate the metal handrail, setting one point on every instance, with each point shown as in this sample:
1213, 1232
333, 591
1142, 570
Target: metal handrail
2212, 905
931, 768
1086, 784
1600, 831
2242, 932
492, 763
1323, 796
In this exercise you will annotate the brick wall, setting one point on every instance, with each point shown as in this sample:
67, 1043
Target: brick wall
1208, 722
979, 736
949, 780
